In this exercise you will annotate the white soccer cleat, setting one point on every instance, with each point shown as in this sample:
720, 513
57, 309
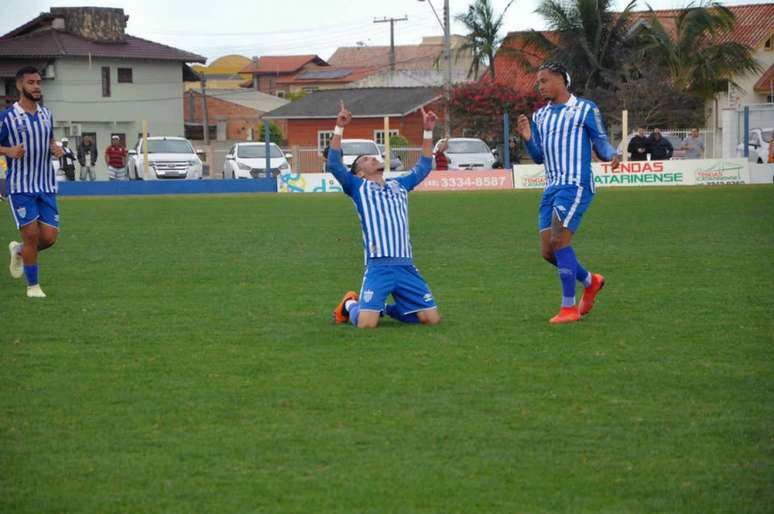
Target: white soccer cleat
15, 267
35, 292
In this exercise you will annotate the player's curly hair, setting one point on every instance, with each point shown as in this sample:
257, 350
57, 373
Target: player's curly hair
559, 69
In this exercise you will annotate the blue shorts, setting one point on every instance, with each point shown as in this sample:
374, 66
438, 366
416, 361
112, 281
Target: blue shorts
568, 202
409, 290
29, 207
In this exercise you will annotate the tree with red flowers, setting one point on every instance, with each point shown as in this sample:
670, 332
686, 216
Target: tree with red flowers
477, 108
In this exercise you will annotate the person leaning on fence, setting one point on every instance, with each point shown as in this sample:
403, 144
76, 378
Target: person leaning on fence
441, 161
693, 144
115, 156
87, 158
67, 161
771, 150
638, 146
659, 147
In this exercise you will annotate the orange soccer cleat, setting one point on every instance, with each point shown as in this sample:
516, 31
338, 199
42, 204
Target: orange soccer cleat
566, 315
590, 293
340, 314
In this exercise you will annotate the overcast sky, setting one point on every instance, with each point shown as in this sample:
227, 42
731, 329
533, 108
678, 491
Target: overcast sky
214, 28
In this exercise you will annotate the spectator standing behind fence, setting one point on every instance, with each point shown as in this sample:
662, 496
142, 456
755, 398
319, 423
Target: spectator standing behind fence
514, 151
638, 146
693, 144
115, 156
771, 149
67, 161
441, 161
87, 158
659, 147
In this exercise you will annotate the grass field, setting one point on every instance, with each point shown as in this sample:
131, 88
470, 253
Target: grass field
185, 361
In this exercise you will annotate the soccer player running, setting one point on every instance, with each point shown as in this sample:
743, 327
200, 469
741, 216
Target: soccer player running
382, 206
560, 136
27, 141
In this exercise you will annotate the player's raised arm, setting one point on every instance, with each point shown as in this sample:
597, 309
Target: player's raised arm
335, 162
422, 168
529, 133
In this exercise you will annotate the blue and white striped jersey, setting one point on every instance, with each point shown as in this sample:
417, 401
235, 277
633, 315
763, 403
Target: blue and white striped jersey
383, 211
33, 173
562, 135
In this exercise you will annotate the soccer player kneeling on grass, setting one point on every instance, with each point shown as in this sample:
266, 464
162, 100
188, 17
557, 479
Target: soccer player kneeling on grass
560, 136
382, 206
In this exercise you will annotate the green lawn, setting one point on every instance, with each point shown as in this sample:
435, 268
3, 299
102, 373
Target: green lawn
185, 361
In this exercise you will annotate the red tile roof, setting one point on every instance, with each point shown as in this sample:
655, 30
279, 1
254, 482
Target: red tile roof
51, 43
280, 64
407, 57
766, 83
754, 23
337, 75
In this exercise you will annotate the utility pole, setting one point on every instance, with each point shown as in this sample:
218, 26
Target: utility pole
204, 112
392, 21
447, 58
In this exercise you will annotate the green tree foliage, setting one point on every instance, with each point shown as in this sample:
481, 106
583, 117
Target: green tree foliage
483, 38
275, 134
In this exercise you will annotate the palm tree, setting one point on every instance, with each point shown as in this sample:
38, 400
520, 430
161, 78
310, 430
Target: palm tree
699, 62
589, 38
483, 38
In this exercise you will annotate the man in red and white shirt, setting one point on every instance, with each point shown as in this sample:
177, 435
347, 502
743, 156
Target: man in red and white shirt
115, 156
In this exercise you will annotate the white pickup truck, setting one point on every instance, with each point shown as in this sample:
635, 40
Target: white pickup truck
168, 158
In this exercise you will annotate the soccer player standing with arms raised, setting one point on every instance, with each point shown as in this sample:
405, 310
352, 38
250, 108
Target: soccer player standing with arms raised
27, 141
560, 137
382, 206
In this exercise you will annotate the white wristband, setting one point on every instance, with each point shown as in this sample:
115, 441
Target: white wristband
338, 131
428, 134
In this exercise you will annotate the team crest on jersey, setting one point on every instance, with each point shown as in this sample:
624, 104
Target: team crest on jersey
394, 186
22, 211
368, 295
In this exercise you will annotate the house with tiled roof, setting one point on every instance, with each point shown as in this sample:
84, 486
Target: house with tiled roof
311, 119
428, 55
97, 79
285, 75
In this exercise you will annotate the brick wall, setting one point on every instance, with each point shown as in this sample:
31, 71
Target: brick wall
239, 119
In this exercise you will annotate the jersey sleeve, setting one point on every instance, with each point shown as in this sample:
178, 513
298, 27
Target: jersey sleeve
418, 173
335, 165
596, 130
535, 144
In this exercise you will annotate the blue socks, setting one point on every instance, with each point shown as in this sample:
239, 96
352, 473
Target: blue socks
354, 313
568, 269
392, 311
31, 272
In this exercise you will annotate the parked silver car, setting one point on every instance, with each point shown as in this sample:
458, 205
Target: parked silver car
467, 153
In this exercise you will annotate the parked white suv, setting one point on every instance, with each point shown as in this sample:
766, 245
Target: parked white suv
248, 160
168, 158
759, 145
351, 148
467, 153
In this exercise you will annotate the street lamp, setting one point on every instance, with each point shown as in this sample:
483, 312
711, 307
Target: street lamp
445, 25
